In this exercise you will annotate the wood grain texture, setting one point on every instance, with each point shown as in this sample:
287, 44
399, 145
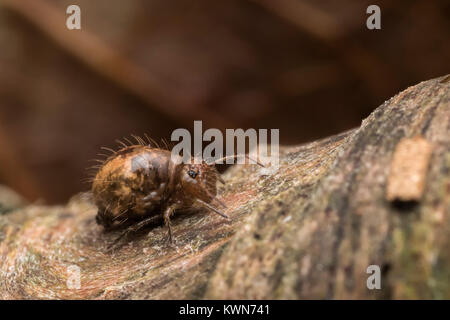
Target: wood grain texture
306, 230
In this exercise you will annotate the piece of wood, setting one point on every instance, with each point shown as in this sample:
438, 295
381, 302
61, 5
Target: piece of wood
307, 230
409, 166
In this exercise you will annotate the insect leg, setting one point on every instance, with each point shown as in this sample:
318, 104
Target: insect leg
220, 179
167, 213
134, 228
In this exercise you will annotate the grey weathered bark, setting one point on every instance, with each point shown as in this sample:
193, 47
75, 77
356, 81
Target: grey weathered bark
307, 230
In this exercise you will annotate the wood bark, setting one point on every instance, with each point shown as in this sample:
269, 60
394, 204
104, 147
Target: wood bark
308, 229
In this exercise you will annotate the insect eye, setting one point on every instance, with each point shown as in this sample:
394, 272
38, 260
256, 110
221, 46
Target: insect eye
192, 174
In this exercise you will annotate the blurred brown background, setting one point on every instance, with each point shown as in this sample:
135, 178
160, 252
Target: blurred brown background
310, 68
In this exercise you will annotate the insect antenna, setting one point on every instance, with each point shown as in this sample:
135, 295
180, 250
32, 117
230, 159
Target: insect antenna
236, 156
218, 175
210, 207
214, 198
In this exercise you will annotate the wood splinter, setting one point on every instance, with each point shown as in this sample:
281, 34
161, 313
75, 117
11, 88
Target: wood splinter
408, 171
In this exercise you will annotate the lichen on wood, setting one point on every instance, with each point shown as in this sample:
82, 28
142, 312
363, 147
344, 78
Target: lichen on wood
308, 229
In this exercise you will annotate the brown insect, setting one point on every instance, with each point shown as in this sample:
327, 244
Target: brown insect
141, 182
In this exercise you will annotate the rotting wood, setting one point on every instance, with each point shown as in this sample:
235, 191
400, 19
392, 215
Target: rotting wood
308, 230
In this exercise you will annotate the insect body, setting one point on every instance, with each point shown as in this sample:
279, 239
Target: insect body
140, 182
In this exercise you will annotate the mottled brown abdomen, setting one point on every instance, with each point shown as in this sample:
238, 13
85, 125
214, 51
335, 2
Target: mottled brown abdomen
132, 183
